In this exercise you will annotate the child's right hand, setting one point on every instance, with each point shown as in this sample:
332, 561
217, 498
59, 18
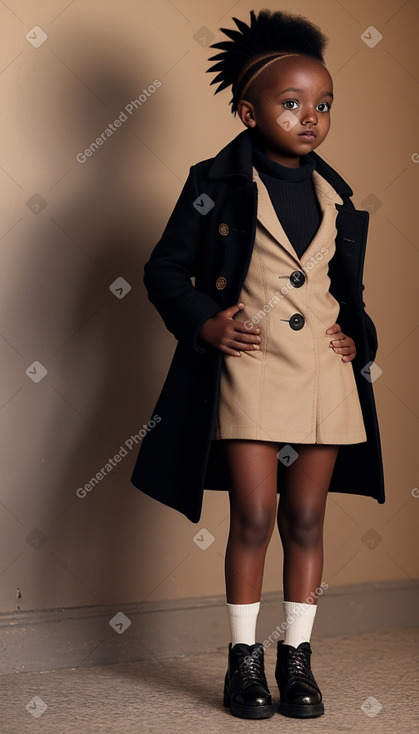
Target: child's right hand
223, 332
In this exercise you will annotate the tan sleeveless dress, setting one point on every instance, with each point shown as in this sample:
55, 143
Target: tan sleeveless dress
295, 389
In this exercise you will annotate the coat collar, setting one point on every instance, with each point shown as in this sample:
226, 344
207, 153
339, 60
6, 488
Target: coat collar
326, 233
236, 160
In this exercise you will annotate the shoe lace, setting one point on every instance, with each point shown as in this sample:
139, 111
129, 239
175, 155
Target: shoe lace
251, 668
298, 664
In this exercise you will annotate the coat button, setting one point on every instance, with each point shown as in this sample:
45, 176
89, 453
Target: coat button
297, 278
297, 321
223, 229
220, 283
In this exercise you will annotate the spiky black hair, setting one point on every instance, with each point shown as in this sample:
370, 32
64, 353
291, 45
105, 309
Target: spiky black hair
270, 32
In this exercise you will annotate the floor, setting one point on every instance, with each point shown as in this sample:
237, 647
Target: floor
369, 684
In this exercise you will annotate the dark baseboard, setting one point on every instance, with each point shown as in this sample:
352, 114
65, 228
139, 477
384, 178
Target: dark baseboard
82, 636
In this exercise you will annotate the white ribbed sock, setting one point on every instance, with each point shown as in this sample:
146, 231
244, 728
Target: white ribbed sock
300, 619
242, 619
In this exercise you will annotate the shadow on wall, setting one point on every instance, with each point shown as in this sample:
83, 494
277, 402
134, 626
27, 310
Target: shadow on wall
108, 353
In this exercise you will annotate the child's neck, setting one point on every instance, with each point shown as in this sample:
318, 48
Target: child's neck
283, 160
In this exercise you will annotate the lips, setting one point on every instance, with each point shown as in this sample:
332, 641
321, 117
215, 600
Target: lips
307, 134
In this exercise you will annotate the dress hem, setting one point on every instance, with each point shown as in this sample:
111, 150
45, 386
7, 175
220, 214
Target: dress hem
334, 440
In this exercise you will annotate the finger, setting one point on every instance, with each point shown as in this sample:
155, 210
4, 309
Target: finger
243, 346
345, 342
239, 332
247, 340
233, 310
343, 350
243, 328
230, 348
340, 338
333, 329
233, 352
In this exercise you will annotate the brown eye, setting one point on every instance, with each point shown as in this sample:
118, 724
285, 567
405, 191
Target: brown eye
288, 102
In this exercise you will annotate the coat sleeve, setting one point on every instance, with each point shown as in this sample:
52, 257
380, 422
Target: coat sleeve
371, 333
370, 329
368, 322
172, 264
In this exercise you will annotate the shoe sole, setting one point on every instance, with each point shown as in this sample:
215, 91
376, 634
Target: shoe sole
303, 711
249, 712
264, 712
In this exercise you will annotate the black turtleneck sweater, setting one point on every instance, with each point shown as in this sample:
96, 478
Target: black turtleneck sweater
293, 196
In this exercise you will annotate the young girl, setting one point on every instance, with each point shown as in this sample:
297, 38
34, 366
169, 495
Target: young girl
269, 390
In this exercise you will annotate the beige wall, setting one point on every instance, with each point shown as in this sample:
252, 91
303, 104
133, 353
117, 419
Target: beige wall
106, 358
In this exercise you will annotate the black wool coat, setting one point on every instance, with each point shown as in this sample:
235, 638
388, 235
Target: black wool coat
209, 237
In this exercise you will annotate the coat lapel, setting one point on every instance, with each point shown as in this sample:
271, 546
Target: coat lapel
267, 216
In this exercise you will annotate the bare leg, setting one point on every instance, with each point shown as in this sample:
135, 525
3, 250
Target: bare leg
253, 501
301, 513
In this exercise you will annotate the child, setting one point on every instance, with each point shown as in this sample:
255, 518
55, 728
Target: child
274, 347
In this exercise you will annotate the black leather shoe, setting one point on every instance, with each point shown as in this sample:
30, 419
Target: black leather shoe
245, 688
300, 696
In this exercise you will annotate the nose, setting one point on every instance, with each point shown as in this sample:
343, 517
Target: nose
310, 116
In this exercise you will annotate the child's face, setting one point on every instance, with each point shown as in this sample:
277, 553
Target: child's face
289, 108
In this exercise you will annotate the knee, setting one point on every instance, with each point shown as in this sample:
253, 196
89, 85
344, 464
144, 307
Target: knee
304, 528
254, 528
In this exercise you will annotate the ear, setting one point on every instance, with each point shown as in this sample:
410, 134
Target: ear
246, 112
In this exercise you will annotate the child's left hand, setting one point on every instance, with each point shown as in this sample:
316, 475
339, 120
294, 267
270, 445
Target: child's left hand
342, 344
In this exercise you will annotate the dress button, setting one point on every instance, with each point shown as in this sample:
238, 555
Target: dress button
223, 229
297, 278
220, 283
297, 321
